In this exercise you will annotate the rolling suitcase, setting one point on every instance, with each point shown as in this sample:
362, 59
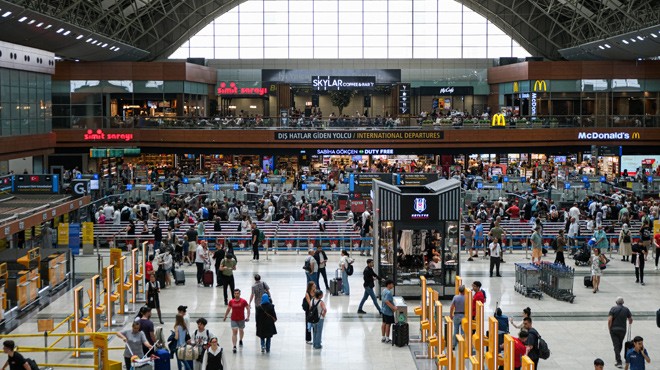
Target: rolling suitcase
587, 282
179, 277
400, 334
334, 287
207, 278
163, 361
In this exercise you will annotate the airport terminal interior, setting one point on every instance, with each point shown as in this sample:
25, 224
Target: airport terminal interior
438, 169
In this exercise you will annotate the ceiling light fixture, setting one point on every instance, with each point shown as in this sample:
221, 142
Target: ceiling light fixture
116, 49
89, 40
31, 22
640, 38
40, 24
22, 19
608, 46
633, 40
601, 47
7, 14
67, 33
654, 35
79, 37
49, 26
104, 45
60, 30
625, 41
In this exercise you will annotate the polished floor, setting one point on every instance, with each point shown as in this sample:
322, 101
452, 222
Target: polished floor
576, 333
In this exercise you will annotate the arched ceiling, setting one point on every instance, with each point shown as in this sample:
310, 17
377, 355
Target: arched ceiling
152, 29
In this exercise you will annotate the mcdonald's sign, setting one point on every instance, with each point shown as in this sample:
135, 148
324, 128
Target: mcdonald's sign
498, 121
539, 85
635, 135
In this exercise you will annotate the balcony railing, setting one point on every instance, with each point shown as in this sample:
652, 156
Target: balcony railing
288, 123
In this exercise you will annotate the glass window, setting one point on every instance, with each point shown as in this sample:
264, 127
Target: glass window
376, 23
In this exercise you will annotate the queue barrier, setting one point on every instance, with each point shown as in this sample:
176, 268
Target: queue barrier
474, 350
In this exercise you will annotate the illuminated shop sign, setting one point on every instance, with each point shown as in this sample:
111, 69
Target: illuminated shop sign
583, 135
99, 135
233, 89
419, 207
343, 82
359, 135
344, 151
539, 85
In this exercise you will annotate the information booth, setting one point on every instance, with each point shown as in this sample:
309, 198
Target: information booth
412, 225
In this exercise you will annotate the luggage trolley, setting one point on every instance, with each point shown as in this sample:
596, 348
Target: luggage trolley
528, 277
557, 281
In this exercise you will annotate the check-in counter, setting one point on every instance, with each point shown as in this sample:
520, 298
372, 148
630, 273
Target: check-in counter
53, 269
23, 287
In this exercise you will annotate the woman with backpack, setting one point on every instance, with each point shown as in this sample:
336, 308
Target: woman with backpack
625, 243
316, 316
346, 268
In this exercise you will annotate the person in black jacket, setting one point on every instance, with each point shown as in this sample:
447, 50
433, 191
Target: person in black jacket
266, 317
218, 256
369, 276
158, 237
321, 259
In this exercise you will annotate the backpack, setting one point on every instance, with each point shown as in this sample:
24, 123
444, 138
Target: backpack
261, 236
626, 237
125, 215
201, 348
308, 266
313, 313
544, 351
32, 363
349, 269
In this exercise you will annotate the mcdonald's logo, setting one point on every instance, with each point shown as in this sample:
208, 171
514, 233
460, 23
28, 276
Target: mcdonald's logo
498, 121
516, 88
635, 135
540, 85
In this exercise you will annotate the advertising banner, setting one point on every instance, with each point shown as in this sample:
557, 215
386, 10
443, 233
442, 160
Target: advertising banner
63, 235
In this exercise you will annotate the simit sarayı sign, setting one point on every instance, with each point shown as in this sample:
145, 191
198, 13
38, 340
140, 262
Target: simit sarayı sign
233, 89
99, 135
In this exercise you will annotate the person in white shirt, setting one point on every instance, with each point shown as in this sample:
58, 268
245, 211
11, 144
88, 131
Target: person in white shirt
344, 261
574, 212
109, 212
201, 256
573, 230
495, 256
116, 217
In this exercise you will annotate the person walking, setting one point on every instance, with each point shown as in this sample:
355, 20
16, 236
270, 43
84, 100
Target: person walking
311, 268
640, 253
532, 342
135, 342
266, 318
16, 360
369, 275
255, 241
200, 338
344, 261
617, 323
227, 267
495, 251
180, 334
238, 307
656, 244
321, 259
153, 292
625, 243
596, 260
527, 312
468, 243
259, 288
218, 256
317, 328
636, 356
457, 311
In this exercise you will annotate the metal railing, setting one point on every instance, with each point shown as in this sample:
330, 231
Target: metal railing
412, 122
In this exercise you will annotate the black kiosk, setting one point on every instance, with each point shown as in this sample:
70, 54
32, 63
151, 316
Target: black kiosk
416, 233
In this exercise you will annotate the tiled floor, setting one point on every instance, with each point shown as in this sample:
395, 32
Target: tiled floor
576, 333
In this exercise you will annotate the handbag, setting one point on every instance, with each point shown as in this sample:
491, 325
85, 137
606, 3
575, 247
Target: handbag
271, 317
629, 343
602, 264
187, 352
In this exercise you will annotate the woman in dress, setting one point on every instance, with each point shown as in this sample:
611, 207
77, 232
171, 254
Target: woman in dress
266, 318
153, 292
625, 243
596, 272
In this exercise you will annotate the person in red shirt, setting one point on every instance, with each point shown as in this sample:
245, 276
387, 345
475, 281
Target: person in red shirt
513, 211
519, 351
238, 306
477, 296
656, 243
149, 267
